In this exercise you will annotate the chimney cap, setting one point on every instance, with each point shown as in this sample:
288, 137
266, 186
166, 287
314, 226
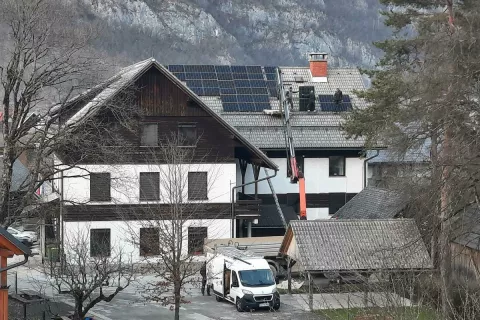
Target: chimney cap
317, 56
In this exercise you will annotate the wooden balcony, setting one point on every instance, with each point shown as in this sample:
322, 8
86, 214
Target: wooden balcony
247, 207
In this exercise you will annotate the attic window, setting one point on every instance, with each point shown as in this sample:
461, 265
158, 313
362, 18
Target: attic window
299, 79
187, 134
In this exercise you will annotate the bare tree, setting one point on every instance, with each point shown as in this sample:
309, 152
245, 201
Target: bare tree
186, 180
93, 271
48, 58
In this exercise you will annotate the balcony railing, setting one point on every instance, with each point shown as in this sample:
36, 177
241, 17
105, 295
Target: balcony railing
247, 205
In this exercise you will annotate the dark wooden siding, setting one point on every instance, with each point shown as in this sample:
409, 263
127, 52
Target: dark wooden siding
158, 96
160, 101
145, 212
465, 264
314, 200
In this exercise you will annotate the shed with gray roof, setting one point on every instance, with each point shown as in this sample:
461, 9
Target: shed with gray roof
356, 245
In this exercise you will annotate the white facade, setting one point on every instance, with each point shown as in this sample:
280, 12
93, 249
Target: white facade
124, 234
317, 180
125, 186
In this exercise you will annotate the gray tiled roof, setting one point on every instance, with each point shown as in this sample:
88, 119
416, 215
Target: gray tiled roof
303, 137
341, 245
347, 80
372, 203
310, 130
467, 228
413, 155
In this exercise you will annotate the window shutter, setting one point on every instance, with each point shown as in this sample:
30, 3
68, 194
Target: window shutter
149, 135
100, 187
100, 242
197, 186
196, 238
149, 185
149, 242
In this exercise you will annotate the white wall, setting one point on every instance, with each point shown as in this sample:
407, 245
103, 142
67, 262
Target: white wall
317, 179
317, 213
124, 234
125, 183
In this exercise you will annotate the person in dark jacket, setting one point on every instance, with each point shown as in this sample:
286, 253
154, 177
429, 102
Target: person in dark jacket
203, 273
338, 96
311, 101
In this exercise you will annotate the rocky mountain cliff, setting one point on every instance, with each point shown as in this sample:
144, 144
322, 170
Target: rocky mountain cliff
267, 32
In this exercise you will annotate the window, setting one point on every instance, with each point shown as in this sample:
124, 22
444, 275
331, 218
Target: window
149, 242
197, 186
149, 186
196, 238
100, 242
337, 166
187, 134
149, 135
336, 201
100, 186
234, 279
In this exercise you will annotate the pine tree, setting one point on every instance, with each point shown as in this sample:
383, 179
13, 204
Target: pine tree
425, 90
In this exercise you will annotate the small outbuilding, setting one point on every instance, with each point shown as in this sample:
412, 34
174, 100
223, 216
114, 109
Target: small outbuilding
9, 246
355, 246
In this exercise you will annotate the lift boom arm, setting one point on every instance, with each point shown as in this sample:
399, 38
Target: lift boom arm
296, 175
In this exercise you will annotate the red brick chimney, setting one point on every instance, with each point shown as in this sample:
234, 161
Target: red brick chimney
318, 64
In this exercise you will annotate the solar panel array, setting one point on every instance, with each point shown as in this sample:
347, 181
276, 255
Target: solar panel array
241, 88
327, 103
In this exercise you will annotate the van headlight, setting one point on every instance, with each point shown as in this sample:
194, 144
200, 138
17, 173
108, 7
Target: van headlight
247, 291
274, 290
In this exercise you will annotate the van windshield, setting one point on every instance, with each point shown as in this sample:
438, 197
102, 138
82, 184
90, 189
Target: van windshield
256, 278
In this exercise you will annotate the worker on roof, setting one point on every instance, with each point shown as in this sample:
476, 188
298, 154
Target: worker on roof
338, 96
289, 97
311, 101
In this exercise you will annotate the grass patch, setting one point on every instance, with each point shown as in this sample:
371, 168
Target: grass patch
407, 313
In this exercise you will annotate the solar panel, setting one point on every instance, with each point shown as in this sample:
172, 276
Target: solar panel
270, 69
224, 76
176, 68
242, 83
244, 98
239, 69
271, 76
209, 75
210, 83
244, 90
194, 83
327, 103
223, 69
241, 88
180, 75
198, 91
255, 76
239, 75
229, 98
211, 91
254, 69
193, 75
259, 91
227, 91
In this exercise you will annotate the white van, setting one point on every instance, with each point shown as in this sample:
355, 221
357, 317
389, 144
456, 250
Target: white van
247, 282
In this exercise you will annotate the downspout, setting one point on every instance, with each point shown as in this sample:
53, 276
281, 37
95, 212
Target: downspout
18, 264
233, 197
365, 168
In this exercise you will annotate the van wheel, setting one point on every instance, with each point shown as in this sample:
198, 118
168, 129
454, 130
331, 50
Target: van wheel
239, 305
218, 298
274, 270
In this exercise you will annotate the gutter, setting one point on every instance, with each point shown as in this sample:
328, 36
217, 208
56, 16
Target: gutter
18, 264
365, 168
242, 185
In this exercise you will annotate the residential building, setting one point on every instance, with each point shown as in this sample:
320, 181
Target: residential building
218, 112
